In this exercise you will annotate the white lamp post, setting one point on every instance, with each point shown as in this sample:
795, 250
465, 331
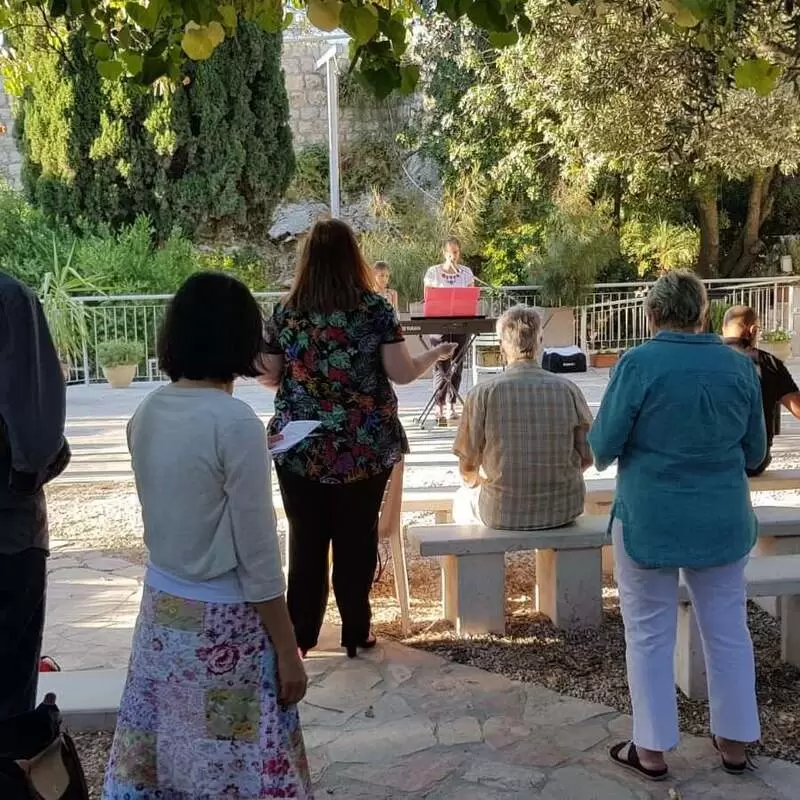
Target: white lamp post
328, 60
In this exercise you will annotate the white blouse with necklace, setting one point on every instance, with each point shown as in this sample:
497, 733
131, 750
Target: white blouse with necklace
441, 277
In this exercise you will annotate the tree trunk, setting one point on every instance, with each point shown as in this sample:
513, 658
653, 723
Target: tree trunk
708, 216
617, 214
759, 207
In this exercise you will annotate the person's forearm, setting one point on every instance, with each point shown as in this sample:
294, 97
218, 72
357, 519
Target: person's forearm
275, 619
424, 361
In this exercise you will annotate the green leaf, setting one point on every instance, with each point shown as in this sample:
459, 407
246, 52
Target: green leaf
133, 62
102, 52
94, 30
324, 14
757, 74
197, 42
228, 16
409, 78
145, 18
361, 22
382, 81
124, 37
524, 24
502, 39
455, 9
58, 8
487, 15
112, 70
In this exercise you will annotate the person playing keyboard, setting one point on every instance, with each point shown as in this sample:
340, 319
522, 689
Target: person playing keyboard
447, 374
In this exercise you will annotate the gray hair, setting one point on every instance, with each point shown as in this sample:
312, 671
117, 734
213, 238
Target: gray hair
677, 300
520, 329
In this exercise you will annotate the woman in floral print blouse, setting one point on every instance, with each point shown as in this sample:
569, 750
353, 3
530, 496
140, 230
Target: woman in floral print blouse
333, 347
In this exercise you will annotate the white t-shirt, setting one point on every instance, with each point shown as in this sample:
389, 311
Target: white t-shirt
202, 473
437, 276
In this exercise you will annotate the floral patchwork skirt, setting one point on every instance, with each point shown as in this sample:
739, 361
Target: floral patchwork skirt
200, 717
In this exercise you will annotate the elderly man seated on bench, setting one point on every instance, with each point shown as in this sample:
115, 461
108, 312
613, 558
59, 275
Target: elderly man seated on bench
521, 443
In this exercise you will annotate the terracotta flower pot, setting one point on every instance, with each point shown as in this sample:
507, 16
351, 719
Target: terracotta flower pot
120, 377
603, 360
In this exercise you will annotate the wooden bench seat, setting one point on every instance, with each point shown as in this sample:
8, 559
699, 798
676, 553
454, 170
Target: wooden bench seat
767, 576
568, 570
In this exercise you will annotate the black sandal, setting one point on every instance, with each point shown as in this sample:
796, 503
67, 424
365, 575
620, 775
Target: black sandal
631, 761
734, 769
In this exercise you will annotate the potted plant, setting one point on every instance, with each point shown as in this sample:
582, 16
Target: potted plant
118, 359
66, 316
603, 359
778, 342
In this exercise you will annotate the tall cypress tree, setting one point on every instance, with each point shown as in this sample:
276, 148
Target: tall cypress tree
214, 152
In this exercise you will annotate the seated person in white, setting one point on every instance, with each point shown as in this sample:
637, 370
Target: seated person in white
521, 443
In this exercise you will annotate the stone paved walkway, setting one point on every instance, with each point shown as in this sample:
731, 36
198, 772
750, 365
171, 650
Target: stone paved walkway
400, 723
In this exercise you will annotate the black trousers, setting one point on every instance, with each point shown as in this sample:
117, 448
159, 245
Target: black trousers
23, 580
347, 516
447, 374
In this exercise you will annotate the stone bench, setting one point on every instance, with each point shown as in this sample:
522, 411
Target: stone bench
767, 576
568, 570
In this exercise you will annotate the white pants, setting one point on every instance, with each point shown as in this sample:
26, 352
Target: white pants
465, 506
649, 602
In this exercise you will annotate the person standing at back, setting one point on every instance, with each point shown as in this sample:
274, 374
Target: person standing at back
447, 373
778, 388
333, 347
33, 451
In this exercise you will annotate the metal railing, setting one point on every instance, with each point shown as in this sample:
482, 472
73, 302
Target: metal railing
612, 318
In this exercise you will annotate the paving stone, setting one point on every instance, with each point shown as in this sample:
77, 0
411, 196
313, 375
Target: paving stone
782, 777
84, 576
621, 727
464, 730
746, 788
580, 737
396, 739
497, 775
389, 707
499, 732
567, 711
469, 791
576, 782
397, 674
318, 736
57, 563
419, 773
536, 751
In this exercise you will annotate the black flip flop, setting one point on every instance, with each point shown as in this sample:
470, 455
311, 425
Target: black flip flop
731, 768
631, 762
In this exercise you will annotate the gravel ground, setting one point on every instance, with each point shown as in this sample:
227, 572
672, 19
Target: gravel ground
588, 664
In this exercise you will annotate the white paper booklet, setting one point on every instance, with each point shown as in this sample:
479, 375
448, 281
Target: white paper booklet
293, 434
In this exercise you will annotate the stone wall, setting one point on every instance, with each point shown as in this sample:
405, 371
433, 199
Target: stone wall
10, 159
308, 102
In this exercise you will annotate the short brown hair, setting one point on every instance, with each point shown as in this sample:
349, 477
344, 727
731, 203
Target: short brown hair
744, 315
451, 241
381, 266
331, 274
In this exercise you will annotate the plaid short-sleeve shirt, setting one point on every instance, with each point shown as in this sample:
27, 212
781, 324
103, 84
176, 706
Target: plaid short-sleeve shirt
525, 430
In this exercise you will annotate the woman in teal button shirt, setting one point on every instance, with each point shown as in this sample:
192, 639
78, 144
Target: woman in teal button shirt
682, 417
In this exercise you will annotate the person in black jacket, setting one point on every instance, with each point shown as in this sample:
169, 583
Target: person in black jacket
778, 388
33, 451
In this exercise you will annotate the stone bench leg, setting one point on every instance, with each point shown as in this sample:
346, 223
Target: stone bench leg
569, 587
474, 592
775, 546
790, 630
690, 663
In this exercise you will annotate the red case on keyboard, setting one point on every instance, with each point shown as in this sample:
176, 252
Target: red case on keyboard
451, 301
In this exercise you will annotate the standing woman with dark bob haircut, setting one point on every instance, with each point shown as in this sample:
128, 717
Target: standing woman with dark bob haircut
333, 347
209, 704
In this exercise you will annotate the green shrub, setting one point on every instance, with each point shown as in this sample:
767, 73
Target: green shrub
311, 175
508, 255
246, 264
579, 243
370, 162
656, 246
717, 309
130, 263
776, 336
215, 152
119, 353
